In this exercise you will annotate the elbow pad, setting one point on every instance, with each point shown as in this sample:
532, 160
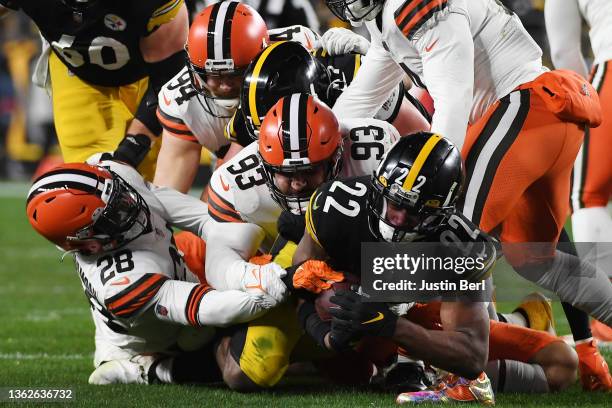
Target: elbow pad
159, 72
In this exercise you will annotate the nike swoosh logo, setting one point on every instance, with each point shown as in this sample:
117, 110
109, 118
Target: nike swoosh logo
377, 318
124, 281
430, 47
308, 42
257, 275
225, 187
314, 203
166, 100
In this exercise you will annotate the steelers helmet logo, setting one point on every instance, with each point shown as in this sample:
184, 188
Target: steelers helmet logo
114, 22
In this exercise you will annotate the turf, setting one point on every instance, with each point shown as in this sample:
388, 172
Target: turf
46, 340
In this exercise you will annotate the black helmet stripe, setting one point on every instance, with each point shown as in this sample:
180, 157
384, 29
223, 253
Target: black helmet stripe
295, 142
210, 41
73, 179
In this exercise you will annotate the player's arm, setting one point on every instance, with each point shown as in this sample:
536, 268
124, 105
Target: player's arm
461, 348
447, 52
128, 296
163, 53
231, 242
564, 29
371, 87
177, 162
183, 211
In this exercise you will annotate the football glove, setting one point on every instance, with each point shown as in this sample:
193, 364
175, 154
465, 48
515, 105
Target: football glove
359, 318
315, 276
265, 280
338, 41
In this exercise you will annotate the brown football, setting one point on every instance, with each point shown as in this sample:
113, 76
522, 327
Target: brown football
322, 303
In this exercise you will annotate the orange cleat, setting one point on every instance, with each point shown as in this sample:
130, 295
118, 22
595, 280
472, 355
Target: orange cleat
601, 331
594, 372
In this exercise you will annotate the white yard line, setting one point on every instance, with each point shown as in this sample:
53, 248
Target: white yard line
43, 356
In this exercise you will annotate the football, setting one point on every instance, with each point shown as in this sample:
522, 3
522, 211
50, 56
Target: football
322, 303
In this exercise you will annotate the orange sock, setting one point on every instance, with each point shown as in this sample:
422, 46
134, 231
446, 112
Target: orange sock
511, 342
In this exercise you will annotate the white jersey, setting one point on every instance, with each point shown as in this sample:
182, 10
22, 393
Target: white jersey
241, 203
467, 53
139, 292
182, 112
564, 30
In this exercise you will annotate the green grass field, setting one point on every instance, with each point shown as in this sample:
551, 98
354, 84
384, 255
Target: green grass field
46, 339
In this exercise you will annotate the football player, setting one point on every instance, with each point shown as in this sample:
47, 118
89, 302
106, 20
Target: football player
104, 63
591, 186
411, 198
196, 104
301, 145
287, 68
141, 292
483, 70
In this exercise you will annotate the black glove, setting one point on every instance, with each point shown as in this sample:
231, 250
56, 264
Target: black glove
360, 318
291, 226
133, 149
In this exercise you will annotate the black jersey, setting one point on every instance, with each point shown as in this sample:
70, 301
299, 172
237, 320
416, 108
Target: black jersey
101, 46
337, 219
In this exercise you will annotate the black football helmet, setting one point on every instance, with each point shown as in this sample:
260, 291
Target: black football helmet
79, 5
355, 10
423, 174
282, 69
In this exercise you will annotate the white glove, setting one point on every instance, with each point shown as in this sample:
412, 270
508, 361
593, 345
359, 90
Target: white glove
299, 33
265, 280
338, 41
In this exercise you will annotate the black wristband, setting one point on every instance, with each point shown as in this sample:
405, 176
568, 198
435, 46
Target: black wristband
133, 149
312, 323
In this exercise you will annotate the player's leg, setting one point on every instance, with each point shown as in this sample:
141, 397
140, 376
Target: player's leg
257, 354
90, 119
526, 360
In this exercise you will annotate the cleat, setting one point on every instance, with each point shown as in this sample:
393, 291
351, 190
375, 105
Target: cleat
537, 310
453, 389
408, 376
601, 331
125, 371
594, 371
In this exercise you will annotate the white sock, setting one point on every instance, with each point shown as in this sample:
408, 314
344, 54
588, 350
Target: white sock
163, 370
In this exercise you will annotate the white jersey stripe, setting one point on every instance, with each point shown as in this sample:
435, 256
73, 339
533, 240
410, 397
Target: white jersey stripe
487, 152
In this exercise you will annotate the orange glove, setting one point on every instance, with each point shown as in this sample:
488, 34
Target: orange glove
261, 259
315, 276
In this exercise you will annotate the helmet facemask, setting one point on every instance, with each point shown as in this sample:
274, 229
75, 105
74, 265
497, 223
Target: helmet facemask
298, 203
218, 106
421, 219
125, 217
355, 10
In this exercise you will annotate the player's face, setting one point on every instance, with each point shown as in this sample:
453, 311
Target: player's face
400, 217
224, 86
297, 183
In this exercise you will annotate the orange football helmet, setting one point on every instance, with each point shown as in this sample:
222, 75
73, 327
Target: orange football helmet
298, 134
223, 40
88, 208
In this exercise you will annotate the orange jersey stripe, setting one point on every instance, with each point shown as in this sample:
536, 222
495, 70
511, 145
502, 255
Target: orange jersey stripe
415, 13
218, 207
167, 121
133, 293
